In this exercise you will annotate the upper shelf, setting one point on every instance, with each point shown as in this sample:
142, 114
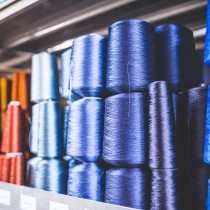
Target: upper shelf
52, 24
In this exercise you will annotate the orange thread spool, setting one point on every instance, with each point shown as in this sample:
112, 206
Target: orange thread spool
20, 176
20, 92
5, 175
12, 170
12, 140
1, 164
21, 89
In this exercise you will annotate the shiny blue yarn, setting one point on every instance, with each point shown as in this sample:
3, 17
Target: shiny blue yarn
208, 199
130, 56
207, 133
86, 181
126, 130
31, 171
65, 126
207, 41
176, 56
51, 175
65, 73
34, 138
127, 187
162, 141
50, 142
85, 129
88, 65
44, 77
47, 174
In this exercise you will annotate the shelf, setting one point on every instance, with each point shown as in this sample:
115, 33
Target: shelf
57, 23
14, 197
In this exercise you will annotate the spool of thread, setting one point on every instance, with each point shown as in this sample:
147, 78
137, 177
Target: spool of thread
5, 97
85, 133
1, 163
5, 169
66, 125
51, 175
125, 130
127, 187
44, 77
199, 175
20, 92
164, 192
4, 93
12, 168
34, 135
31, 171
50, 144
16, 169
162, 145
87, 181
130, 56
176, 57
208, 199
181, 121
20, 89
207, 41
206, 156
88, 65
196, 104
12, 140
65, 73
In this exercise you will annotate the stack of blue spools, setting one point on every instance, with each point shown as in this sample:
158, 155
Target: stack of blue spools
133, 120
47, 170
86, 116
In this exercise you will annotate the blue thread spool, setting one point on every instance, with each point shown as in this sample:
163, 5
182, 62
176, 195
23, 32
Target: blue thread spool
86, 181
31, 171
85, 133
208, 199
176, 56
44, 77
199, 175
88, 65
127, 187
207, 133
50, 142
47, 174
130, 56
34, 139
66, 127
197, 104
164, 191
51, 175
162, 145
207, 41
65, 73
125, 130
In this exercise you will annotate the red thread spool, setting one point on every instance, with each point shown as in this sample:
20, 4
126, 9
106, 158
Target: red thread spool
5, 175
20, 92
20, 172
1, 164
12, 170
12, 140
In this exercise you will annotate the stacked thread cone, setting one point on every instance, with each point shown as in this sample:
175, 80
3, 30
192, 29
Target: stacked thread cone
47, 170
85, 118
15, 134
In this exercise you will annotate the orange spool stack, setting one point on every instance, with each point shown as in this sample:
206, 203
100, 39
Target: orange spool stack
14, 143
12, 168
